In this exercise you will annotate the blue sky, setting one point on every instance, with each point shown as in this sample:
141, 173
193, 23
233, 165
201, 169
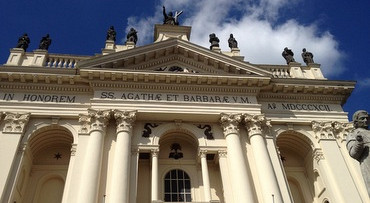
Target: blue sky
337, 33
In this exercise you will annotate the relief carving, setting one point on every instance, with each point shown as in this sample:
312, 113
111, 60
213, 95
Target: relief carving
124, 120
15, 122
230, 122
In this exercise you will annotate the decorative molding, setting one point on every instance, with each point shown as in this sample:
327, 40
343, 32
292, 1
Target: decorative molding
47, 87
73, 149
257, 124
124, 120
94, 120
318, 154
230, 122
222, 154
15, 122
22, 147
341, 129
207, 131
148, 129
323, 130
161, 84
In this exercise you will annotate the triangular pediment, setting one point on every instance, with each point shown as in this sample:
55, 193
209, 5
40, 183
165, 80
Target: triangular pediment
173, 55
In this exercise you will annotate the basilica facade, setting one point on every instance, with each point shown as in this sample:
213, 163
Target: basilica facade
172, 122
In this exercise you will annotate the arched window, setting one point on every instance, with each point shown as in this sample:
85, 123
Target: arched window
177, 186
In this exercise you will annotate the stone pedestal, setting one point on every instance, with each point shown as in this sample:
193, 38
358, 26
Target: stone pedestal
15, 57
39, 57
165, 32
110, 47
295, 70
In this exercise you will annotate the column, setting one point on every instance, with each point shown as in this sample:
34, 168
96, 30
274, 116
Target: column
154, 153
240, 183
134, 174
255, 124
205, 176
95, 123
122, 156
14, 128
226, 185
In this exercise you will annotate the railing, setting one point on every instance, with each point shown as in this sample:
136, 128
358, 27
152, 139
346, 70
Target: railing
63, 61
280, 72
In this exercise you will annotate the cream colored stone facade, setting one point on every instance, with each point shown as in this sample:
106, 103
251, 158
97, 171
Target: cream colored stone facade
134, 122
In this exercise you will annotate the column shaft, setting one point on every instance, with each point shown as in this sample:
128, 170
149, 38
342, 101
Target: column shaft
154, 175
238, 170
134, 175
226, 185
121, 169
266, 173
205, 176
90, 177
256, 124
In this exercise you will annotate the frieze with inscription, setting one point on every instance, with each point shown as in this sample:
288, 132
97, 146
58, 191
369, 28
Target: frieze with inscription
173, 97
288, 106
35, 97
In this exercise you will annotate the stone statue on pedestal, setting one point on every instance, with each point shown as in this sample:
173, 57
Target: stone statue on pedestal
23, 42
288, 55
45, 42
307, 56
132, 36
111, 34
170, 19
358, 144
214, 40
232, 42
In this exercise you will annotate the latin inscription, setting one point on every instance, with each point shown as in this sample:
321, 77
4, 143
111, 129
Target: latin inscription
300, 106
38, 98
176, 97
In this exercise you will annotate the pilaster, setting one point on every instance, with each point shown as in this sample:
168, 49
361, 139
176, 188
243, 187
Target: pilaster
155, 185
14, 127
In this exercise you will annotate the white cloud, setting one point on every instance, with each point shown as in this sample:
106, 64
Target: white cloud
254, 26
364, 83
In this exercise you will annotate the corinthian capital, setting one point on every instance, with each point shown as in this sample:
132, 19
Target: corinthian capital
125, 120
256, 124
323, 130
230, 123
94, 120
15, 122
341, 130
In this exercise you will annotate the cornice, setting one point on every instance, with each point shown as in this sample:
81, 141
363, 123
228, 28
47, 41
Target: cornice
268, 96
45, 87
169, 47
117, 77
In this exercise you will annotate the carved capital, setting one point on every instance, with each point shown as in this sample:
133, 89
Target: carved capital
124, 120
323, 130
341, 130
222, 154
94, 120
256, 124
230, 123
318, 155
154, 152
203, 153
15, 122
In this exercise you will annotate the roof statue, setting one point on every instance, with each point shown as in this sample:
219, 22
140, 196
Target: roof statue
358, 144
45, 42
213, 40
288, 55
111, 34
232, 42
23, 42
170, 19
131, 36
307, 56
